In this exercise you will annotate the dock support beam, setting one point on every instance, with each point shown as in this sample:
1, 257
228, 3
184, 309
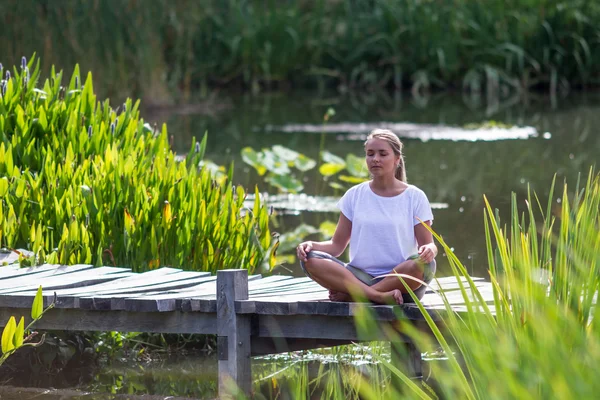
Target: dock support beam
233, 334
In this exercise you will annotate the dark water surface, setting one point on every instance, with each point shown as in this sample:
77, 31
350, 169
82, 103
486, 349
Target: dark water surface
455, 174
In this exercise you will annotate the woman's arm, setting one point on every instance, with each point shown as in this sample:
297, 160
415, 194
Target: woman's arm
335, 246
427, 248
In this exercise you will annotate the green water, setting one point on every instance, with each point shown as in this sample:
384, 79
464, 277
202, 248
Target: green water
454, 173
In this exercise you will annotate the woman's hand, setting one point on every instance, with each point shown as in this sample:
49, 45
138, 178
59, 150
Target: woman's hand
303, 249
427, 252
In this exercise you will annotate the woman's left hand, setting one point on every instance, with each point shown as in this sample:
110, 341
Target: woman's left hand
427, 252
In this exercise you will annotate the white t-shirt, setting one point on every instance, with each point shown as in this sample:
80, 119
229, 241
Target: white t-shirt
383, 233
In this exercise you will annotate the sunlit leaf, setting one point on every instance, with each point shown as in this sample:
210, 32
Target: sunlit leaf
332, 158
284, 153
251, 157
356, 166
8, 334
19, 333
329, 169
38, 305
3, 186
352, 179
327, 229
304, 163
274, 164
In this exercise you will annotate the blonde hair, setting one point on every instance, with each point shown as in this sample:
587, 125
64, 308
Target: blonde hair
395, 144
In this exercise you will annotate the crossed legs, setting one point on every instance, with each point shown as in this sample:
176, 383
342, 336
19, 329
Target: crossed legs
344, 286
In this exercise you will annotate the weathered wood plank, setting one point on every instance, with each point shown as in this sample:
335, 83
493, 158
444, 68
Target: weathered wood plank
82, 320
20, 280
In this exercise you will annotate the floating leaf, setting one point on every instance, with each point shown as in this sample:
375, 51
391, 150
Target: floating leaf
327, 229
251, 157
274, 164
332, 158
356, 166
284, 153
304, 163
352, 179
329, 169
286, 183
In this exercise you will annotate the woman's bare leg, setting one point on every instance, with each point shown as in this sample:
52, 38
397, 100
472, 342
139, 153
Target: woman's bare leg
336, 278
409, 267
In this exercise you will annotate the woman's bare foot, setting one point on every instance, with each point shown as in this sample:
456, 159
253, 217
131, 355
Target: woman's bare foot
391, 297
339, 296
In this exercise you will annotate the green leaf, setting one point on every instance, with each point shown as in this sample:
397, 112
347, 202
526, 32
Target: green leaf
251, 157
284, 153
332, 158
19, 332
3, 186
356, 166
286, 183
274, 164
8, 334
327, 229
304, 163
352, 179
38, 305
329, 169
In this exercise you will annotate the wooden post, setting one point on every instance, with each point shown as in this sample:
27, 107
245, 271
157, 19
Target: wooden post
233, 334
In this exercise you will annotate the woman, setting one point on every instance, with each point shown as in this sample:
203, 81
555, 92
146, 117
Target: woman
381, 219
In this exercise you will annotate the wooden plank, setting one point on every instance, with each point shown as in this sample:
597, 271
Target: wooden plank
312, 326
37, 274
75, 281
122, 321
233, 334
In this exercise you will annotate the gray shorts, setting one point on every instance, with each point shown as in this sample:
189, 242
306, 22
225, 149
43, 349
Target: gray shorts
370, 280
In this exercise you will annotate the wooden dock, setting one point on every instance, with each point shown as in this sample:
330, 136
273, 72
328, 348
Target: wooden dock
251, 315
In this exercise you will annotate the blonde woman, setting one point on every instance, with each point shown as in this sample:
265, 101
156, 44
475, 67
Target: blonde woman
381, 220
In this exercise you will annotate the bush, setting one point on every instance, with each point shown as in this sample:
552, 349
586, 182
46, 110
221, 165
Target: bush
83, 183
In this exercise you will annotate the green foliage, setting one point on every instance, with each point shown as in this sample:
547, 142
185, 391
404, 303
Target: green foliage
83, 183
541, 337
13, 334
276, 163
173, 48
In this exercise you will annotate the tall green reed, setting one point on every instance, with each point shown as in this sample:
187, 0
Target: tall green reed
170, 51
83, 183
540, 337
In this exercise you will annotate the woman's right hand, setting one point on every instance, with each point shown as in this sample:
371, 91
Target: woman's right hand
303, 249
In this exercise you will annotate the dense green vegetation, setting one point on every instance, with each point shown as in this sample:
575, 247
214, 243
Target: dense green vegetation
83, 183
172, 49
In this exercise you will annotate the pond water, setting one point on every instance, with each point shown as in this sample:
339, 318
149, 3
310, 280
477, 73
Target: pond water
455, 164
520, 143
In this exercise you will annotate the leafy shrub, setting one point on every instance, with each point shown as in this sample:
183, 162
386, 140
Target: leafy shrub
83, 183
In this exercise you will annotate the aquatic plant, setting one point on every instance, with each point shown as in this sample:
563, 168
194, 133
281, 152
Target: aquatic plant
13, 334
84, 183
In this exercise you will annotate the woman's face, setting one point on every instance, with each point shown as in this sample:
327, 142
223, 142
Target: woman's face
380, 157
